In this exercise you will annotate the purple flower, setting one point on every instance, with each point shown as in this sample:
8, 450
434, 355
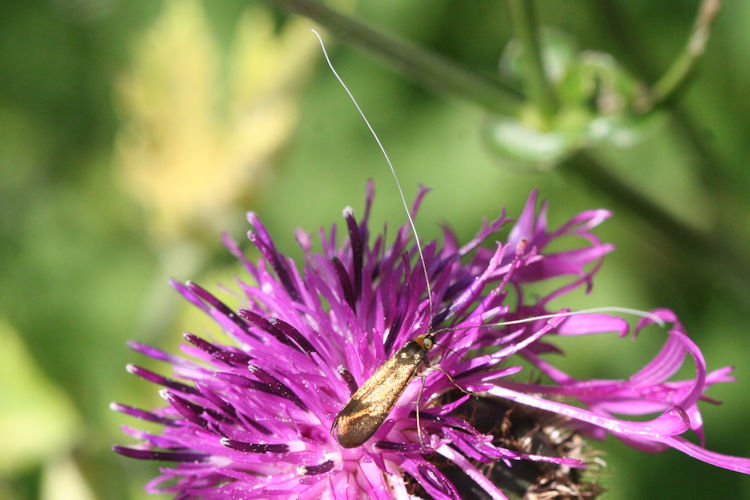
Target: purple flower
254, 419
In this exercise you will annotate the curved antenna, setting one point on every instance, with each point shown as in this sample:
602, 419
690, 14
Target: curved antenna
393, 171
624, 310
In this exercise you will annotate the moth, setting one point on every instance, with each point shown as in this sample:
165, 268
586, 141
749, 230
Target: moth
369, 406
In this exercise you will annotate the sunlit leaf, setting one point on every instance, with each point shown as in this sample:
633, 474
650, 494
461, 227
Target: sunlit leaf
37, 419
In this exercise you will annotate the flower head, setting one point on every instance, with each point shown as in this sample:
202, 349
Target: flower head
254, 418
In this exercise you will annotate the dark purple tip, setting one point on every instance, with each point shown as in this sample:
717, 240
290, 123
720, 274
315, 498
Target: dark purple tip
314, 470
278, 387
142, 414
263, 242
346, 284
399, 447
221, 307
200, 343
153, 352
187, 409
167, 456
275, 388
294, 334
254, 447
233, 358
161, 380
351, 384
355, 238
268, 326
439, 482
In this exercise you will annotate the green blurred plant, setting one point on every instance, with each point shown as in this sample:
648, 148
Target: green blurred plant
38, 422
201, 126
596, 101
192, 145
559, 123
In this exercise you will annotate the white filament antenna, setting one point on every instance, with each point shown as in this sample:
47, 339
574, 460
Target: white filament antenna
393, 171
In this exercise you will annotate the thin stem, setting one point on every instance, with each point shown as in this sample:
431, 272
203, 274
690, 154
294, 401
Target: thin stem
524, 23
682, 67
443, 74
719, 254
727, 189
423, 66
711, 172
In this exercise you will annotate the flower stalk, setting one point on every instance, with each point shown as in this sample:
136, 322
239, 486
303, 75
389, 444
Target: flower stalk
523, 18
669, 84
415, 62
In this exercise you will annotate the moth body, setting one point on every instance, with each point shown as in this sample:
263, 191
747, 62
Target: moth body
370, 405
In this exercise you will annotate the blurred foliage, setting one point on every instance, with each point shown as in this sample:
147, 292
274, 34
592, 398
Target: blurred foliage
189, 149
598, 102
37, 419
118, 147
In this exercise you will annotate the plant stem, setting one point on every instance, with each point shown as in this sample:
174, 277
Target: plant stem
682, 67
727, 189
438, 72
523, 19
423, 66
719, 254
711, 172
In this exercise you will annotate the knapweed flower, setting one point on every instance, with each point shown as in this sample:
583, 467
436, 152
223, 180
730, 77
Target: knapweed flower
253, 418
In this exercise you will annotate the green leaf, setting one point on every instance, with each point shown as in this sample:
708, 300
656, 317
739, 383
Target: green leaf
37, 419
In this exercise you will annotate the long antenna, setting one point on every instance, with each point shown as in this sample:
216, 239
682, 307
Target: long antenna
606, 309
393, 171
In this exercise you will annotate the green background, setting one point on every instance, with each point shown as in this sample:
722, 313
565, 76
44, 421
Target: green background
80, 275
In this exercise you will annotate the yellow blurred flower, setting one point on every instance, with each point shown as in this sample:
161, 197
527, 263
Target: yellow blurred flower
195, 139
